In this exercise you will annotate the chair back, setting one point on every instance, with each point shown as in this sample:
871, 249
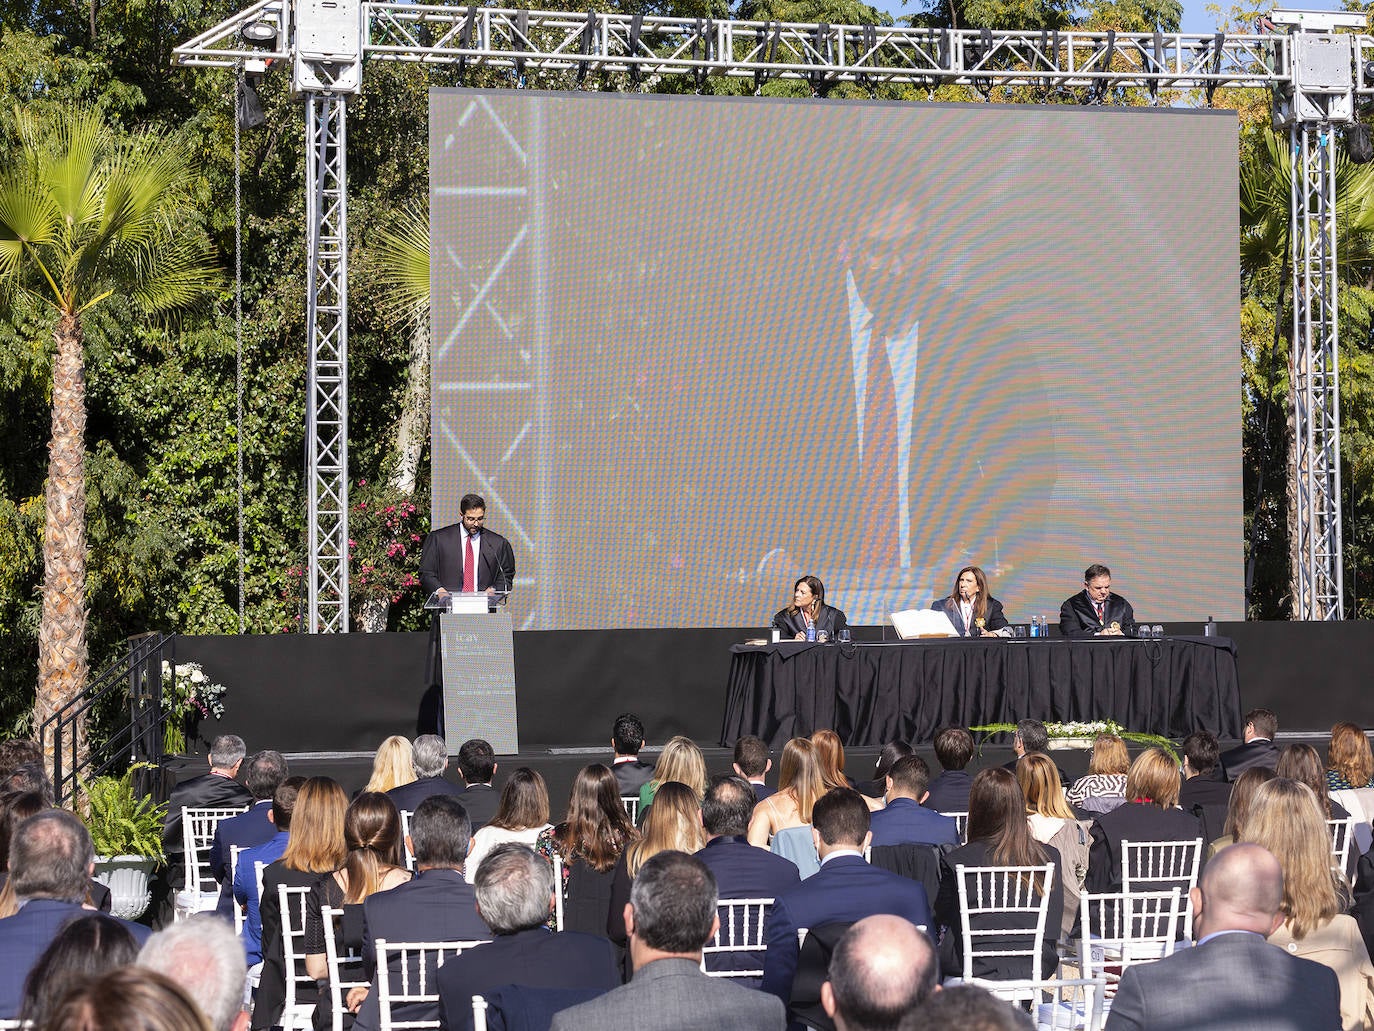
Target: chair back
1002, 913
406, 977
740, 934
960, 821
1058, 1004
479, 1013
1160, 865
1342, 837
631, 804
201, 892
406, 814
302, 994
240, 914
1121, 929
559, 890
339, 961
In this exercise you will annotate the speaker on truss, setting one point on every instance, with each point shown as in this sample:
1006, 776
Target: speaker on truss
1358, 144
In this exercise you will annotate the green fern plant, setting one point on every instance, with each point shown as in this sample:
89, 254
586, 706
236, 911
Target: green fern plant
122, 822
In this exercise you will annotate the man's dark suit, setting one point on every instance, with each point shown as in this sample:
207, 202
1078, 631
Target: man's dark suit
1078, 617
790, 623
632, 775
994, 620
442, 556
904, 821
844, 890
407, 797
24, 937
209, 790
245, 831
481, 801
949, 792
1259, 751
536, 958
1233, 982
674, 995
436, 906
744, 871
761, 791
1208, 800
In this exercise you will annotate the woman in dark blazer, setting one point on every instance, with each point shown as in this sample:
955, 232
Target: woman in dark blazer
808, 608
998, 835
970, 595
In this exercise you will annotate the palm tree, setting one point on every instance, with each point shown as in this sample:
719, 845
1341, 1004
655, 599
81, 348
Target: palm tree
85, 214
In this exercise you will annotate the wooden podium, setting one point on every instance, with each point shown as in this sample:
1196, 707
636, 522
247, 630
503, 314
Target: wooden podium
479, 674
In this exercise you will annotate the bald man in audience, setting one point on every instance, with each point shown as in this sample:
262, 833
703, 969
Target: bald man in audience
1232, 979
882, 969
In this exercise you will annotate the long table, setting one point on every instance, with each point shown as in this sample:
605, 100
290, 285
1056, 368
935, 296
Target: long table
872, 693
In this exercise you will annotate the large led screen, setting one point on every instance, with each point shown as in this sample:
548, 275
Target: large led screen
690, 348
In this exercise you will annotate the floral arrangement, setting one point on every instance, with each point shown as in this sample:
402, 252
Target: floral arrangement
188, 695
1081, 731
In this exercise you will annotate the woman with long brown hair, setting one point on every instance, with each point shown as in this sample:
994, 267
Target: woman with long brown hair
592, 836
673, 824
375, 862
1286, 819
809, 614
830, 755
998, 835
1349, 763
972, 610
799, 785
521, 816
1302, 764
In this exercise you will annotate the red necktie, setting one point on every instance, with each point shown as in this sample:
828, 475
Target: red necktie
470, 567
1099, 614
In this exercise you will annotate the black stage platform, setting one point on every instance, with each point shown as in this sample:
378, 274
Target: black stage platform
344, 693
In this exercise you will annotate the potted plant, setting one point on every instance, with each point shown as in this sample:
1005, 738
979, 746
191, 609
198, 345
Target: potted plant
126, 829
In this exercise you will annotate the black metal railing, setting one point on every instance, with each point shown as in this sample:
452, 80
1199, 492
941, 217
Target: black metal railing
116, 720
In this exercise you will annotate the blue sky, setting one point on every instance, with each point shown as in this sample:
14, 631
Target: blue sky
1196, 17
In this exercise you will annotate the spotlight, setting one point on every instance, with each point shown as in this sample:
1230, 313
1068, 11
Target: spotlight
262, 32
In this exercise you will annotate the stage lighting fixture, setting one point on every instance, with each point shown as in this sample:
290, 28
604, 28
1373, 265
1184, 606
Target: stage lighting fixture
262, 32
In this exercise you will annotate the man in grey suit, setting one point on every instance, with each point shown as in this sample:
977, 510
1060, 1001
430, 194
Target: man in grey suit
1232, 979
670, 916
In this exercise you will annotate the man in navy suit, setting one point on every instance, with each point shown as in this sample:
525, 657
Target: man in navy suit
51, 858
948, 793
437, 905
429, 754
904, 821
514, 889
752, 763
741, 870
845, 889
1259, 749
477, 764
263, 775
627, 738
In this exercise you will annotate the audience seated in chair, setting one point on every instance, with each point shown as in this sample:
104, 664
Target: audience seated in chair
670, 916
203, 957
514, 891
880, 972
904, 820
262, 776
1258, 750
674, 824
948, 792
86, 947
217, 788
1150, 813
1203, 792
521, 816
627, 738
1232, 977
429, 757
1103, 787
799, 785
477, 766
752, 763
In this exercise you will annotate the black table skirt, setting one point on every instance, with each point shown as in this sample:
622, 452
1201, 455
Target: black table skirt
870, 694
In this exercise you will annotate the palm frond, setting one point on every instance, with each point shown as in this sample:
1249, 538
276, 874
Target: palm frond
402, 264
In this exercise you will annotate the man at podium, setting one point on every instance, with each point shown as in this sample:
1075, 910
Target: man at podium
465, 556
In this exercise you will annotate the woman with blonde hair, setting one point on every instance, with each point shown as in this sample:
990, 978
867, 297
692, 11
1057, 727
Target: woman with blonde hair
1238, 809
673, 824
521, 816
799, 785
1150, 813
1046, 809
681, 761
1349, 763
392, 766
1286, 819
1103, 788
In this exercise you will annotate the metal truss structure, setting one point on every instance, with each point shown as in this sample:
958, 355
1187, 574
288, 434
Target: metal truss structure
1315, 75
